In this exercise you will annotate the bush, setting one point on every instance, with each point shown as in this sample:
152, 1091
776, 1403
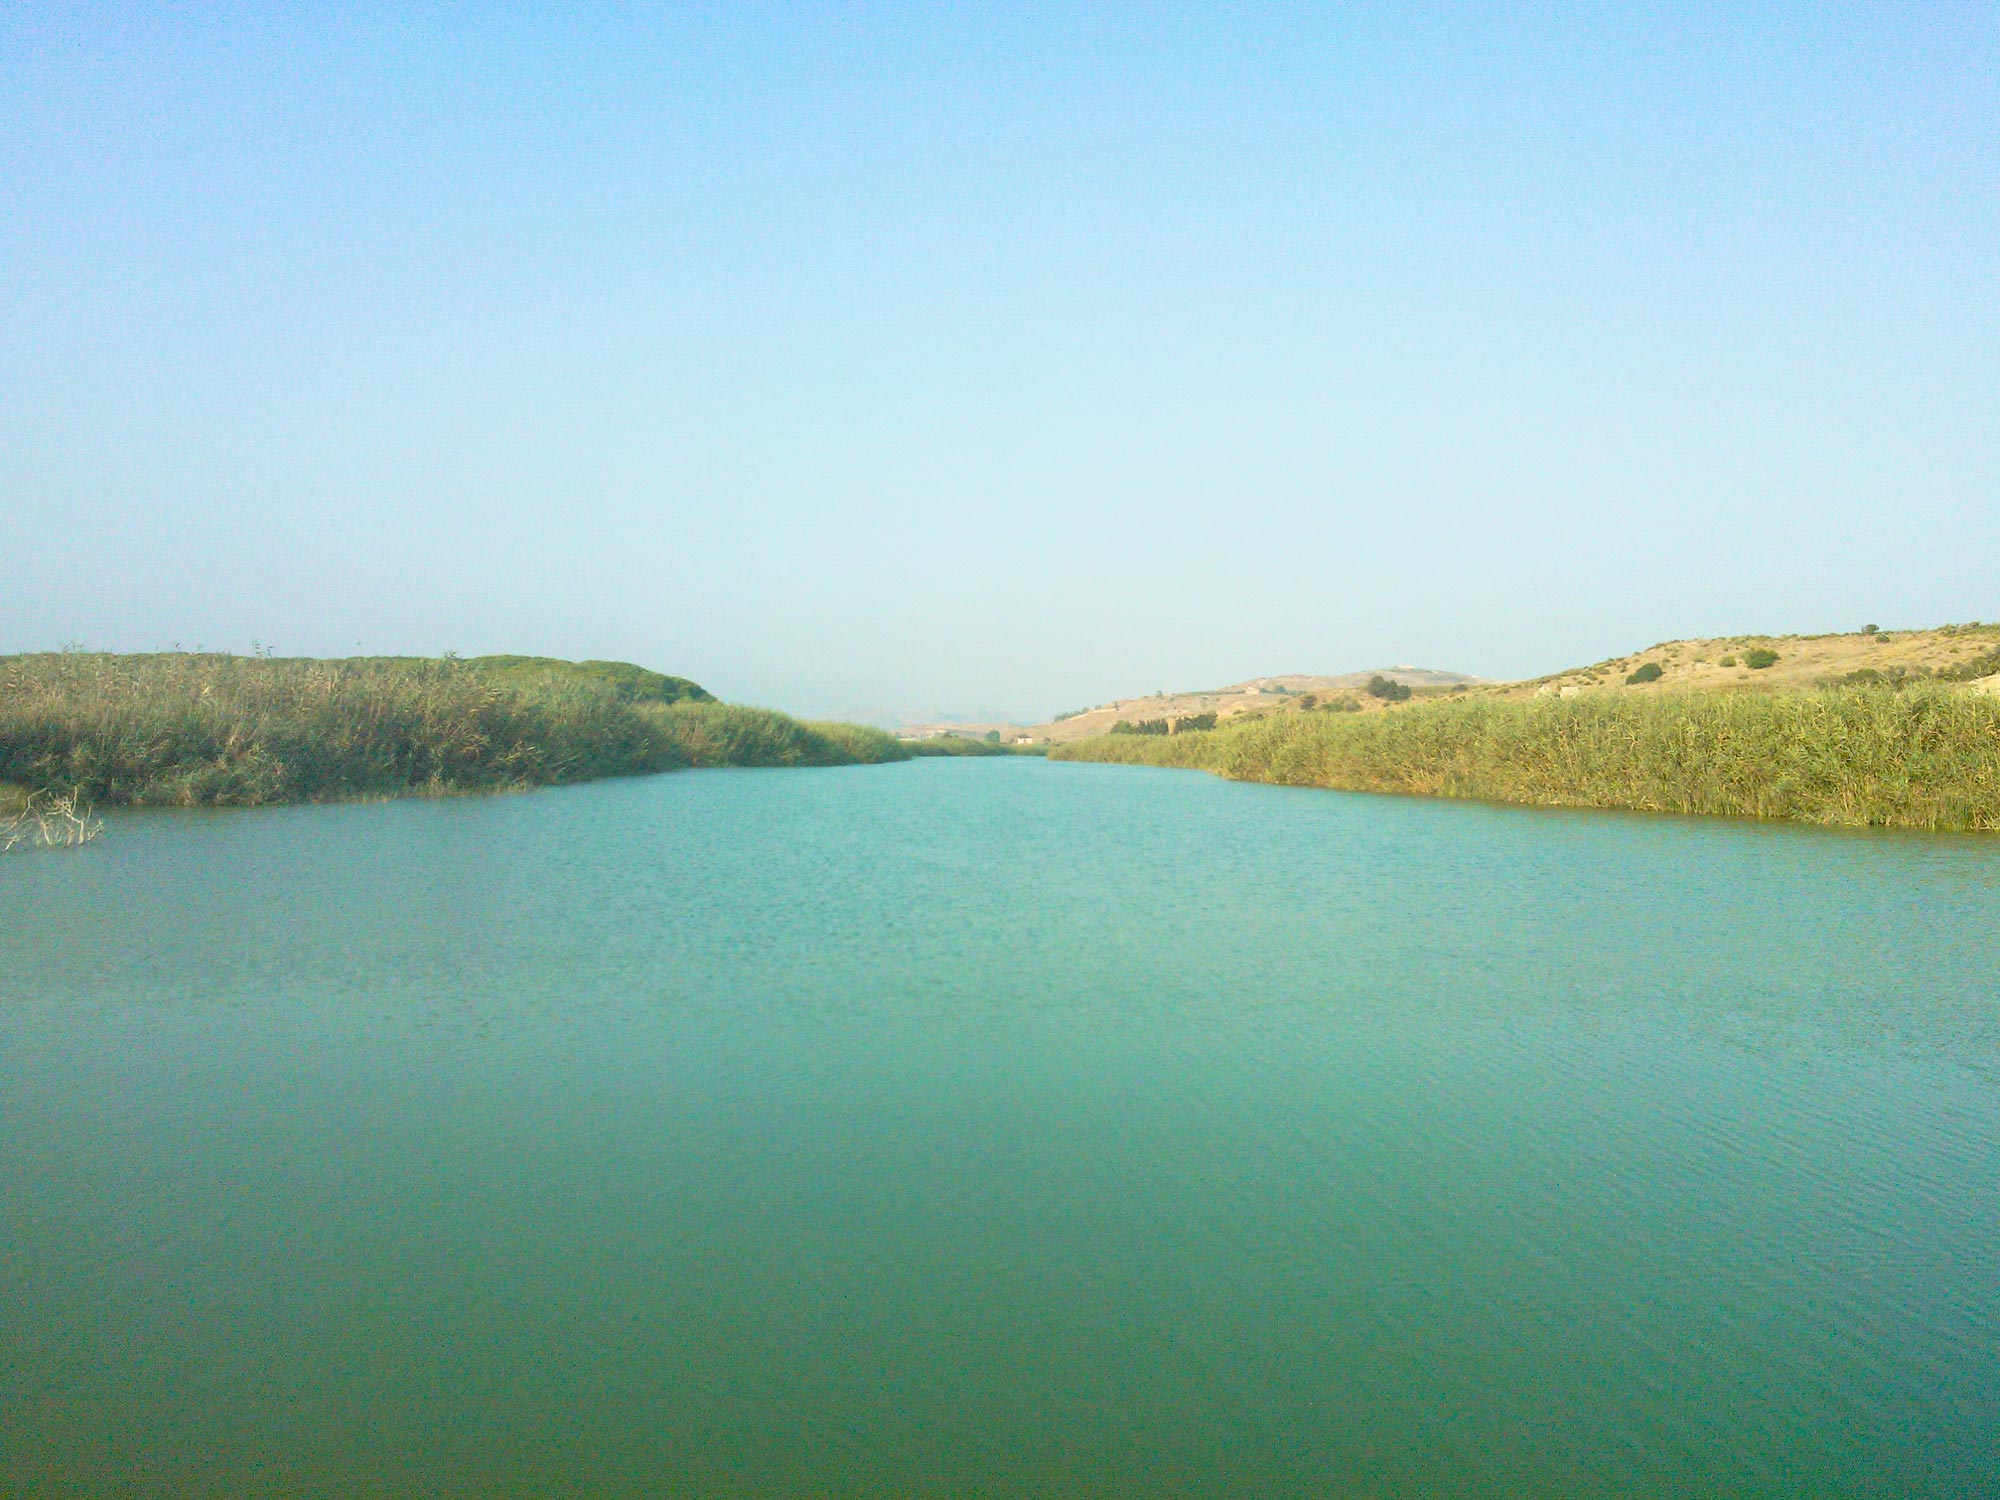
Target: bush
1870, 629
1728, 661
1650, 671
1759, 657
1388, 690
1973, 669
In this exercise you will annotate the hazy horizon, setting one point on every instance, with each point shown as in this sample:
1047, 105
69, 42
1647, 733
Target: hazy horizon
1000, 361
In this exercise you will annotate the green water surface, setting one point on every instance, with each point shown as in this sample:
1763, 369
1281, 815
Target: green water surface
997, 1128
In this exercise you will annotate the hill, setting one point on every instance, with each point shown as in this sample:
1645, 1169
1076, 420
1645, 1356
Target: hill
1790, 663
1892, 728
1258, 695
1968, 653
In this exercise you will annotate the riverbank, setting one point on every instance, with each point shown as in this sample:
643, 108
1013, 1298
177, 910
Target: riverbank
183, 728
1922, 758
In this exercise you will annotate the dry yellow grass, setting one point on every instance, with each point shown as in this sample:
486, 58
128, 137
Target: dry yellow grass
1721, 663
1698, 664
1259, 695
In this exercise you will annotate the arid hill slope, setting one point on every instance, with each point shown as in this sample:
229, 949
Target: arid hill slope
1287, 692
1967, 653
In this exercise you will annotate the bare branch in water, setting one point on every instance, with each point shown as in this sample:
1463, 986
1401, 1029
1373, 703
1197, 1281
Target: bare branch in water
48, 820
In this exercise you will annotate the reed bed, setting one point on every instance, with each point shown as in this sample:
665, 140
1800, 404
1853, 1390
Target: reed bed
728, 734
955, 746
1920, 758
182, 728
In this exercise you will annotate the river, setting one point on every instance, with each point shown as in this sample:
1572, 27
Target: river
997, 1128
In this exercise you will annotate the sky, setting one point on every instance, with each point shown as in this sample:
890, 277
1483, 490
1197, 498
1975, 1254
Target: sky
996, 360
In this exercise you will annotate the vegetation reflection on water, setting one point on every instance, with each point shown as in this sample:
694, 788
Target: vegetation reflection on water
996, 1128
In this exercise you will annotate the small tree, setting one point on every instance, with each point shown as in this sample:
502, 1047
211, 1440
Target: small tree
1650, 671
1386, 689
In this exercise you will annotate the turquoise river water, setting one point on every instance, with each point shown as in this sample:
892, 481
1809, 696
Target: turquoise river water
997, 1128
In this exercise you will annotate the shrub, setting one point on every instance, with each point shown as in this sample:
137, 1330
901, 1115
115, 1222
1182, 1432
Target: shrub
1308, 700
1647, 672
1728, 661
1870, 629
1759, 657
1388, 690
1972, 670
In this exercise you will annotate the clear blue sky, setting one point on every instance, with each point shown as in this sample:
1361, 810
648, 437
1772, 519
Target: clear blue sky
996, 358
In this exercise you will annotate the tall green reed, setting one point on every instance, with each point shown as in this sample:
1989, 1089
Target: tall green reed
1921, 758
206, 728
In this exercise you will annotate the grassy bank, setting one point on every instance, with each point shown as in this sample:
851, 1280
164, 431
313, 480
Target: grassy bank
954, 745
1922, 758
727, 734
184, 728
